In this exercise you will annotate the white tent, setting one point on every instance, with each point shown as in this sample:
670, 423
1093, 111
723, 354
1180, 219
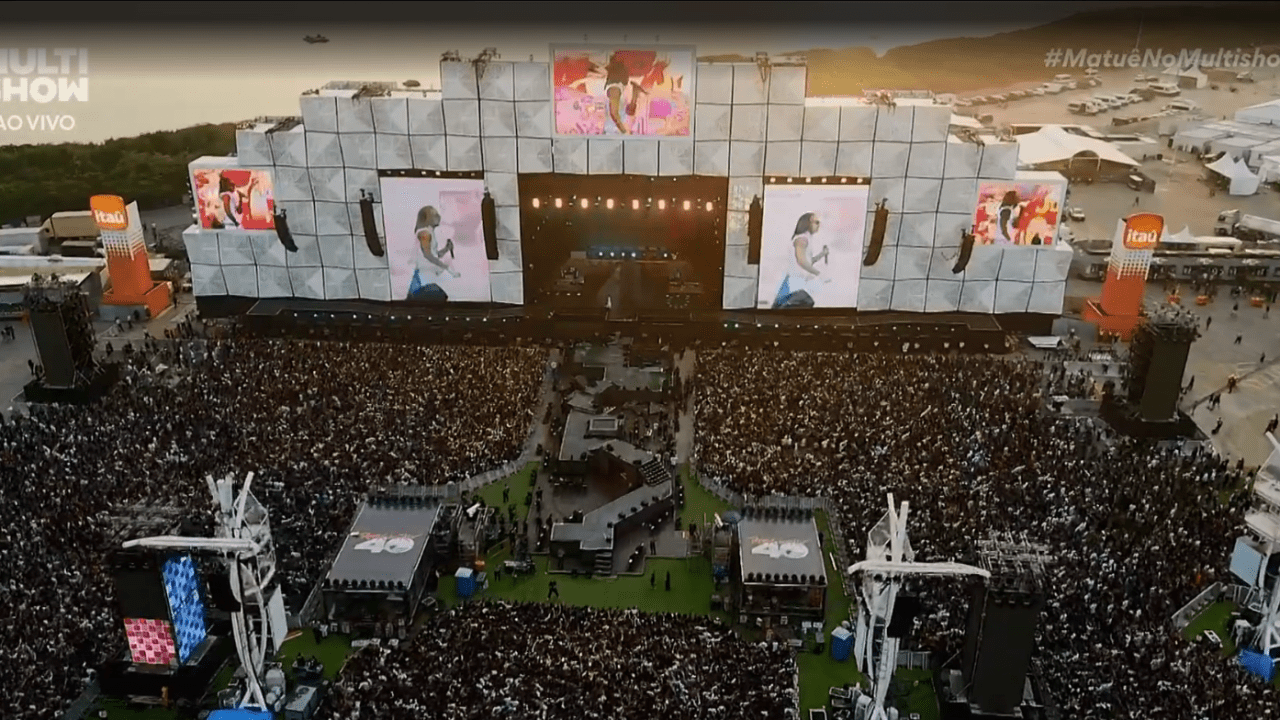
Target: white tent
1269, 171
1187, 78
1182, 236
1267, 113
1241, 180
1197, 139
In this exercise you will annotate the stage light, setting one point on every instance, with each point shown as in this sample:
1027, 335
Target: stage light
808, 180
559, 203
790, 180
662, 204
537, 203
710, 206
635, 204
609, 203
687, 204
824, 180
844, 180
585, 203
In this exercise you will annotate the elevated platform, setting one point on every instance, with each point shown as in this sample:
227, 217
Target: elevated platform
37, 393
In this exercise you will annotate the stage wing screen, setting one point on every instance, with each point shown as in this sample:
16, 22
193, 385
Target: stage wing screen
230, 199
182, 585
1018, 214
150, 641
811, 246
435, 239
623, 92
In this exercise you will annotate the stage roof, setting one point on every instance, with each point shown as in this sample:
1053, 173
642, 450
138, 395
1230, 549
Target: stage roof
387, 558
780, 547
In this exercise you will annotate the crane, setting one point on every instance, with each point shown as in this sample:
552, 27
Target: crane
889, 559
243, 543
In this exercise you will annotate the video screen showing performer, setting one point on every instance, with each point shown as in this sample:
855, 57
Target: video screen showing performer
435, 239
635, 92
811, 247
1018, 214
234, 199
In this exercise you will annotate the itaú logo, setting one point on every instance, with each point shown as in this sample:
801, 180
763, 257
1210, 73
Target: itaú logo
1142, 231
112, 220
109, 212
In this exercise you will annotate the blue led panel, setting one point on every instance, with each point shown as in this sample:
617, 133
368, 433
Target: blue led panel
186, 606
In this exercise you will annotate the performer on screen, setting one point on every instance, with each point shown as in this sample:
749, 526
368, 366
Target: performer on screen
1007, 219
622, 94
803, 276
431, 267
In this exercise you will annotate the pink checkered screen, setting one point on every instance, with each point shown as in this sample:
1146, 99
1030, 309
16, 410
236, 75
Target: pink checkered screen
150, 641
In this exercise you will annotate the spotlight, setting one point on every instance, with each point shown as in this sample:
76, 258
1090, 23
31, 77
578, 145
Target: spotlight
609, 203
824, 180
789, 179
537, 203
635, 204
808, 180
585, 203
662, 204
687, 204
844, 180
710, 206
559, 203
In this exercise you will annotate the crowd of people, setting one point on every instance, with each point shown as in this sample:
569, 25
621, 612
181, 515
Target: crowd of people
319, 424
1134, 530
551, 662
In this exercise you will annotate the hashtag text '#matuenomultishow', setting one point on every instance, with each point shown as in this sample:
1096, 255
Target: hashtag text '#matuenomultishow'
1241, 59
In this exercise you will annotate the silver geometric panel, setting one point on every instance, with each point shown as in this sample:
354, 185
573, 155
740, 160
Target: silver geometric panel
289, 148
497, 81
340, 284
978, 296
464, 153
742, 190
253, 147
889, 190
927, 160
787, 84
749, 87
507, 288
963, 160
390, 115
959, 195
497, 118
335, 251
393, 152
822, 123
786, 122
273, 282
426, 116
533, 155
739, 293
943, 296
374, 284
885, 266
916, 230
818, 159
909, 295
242, 280
1047, 297
507, 220
202, 246
711, 122
301, 217
267, 249
462, 117
640, 159
853, 159
874, 294
604, 156
1019, 264
499, 154
894, 124
458, 80
207, 281
782, 158
332, 218
931, 123
319, 113
533, 119
889, 160
307, 282
328, 184
355, 115
364, 259
234, 248
746, 159
912, 263
428, 151
748, 122
1053, 265
570, 155
323, 150
715, 84
711, 158
532, 81
359, 151
675, 157
308, 254
999, 161
1013, 297
857, 123
921, 195
292, 183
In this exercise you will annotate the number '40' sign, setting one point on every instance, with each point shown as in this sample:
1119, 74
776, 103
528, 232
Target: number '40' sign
379, 543
775, 550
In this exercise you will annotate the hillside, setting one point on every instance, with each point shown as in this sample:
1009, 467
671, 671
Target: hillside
958, 65
151, 169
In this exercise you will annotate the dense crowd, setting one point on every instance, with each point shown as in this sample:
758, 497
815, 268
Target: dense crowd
552, 662
1135, 531
318, 422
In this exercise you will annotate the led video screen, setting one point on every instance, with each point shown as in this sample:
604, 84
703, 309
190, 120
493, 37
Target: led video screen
811, 244
435, 239
622, 244
150, 641
623, 92
228, 199
1017, 214
182, 585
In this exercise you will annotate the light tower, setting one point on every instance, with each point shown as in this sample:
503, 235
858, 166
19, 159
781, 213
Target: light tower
889, 559
1254, 552
243, 543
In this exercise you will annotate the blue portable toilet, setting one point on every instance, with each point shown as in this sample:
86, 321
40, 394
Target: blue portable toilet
466, 579
241, 714
841, 644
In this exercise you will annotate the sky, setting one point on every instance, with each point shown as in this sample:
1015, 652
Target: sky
162, 66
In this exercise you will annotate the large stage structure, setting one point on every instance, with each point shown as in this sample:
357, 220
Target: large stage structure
524, 184
62, 326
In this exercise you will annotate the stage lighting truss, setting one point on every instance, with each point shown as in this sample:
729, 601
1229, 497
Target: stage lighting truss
614, 203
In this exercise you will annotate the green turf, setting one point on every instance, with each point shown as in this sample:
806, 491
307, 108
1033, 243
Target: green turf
520, 484
699, 503
819, 673
1214, 618
331, 652
119, 710
920, 696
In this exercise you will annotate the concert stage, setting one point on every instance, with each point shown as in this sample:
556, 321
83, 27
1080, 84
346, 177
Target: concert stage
834, 330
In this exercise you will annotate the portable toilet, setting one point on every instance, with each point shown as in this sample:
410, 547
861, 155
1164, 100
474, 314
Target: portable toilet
841, 644
466, 579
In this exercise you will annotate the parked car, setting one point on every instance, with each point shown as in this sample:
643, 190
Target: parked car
1075, 214
1140, 182
1083, 107
999, 98
1091, 72
1145, 93
1093, 82
1182, 105
1017, 94
1166, 89
1036, 91
1062, 78
963, 102
1070, 85
1245, 77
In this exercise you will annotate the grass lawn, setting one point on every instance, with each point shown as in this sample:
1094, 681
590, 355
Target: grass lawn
520, 485
699, 503
921, 699
1214, 618
819, 673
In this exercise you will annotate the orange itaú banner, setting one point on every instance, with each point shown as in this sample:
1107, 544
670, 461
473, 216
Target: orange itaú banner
109, 212
1142, 231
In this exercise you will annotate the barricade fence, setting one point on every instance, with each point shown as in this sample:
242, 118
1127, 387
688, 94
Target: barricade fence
1183, 617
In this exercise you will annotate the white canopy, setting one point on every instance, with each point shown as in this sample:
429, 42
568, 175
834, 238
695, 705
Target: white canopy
1052, 144
1269, 169
1267, 113
1194, 75
1183, 236
1242, 180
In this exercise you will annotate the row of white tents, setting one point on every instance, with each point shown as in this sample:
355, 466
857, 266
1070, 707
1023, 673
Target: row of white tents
1240, 179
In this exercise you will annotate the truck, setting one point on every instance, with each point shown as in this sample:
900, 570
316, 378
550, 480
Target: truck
1249, 228
1052, 88
70, 225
